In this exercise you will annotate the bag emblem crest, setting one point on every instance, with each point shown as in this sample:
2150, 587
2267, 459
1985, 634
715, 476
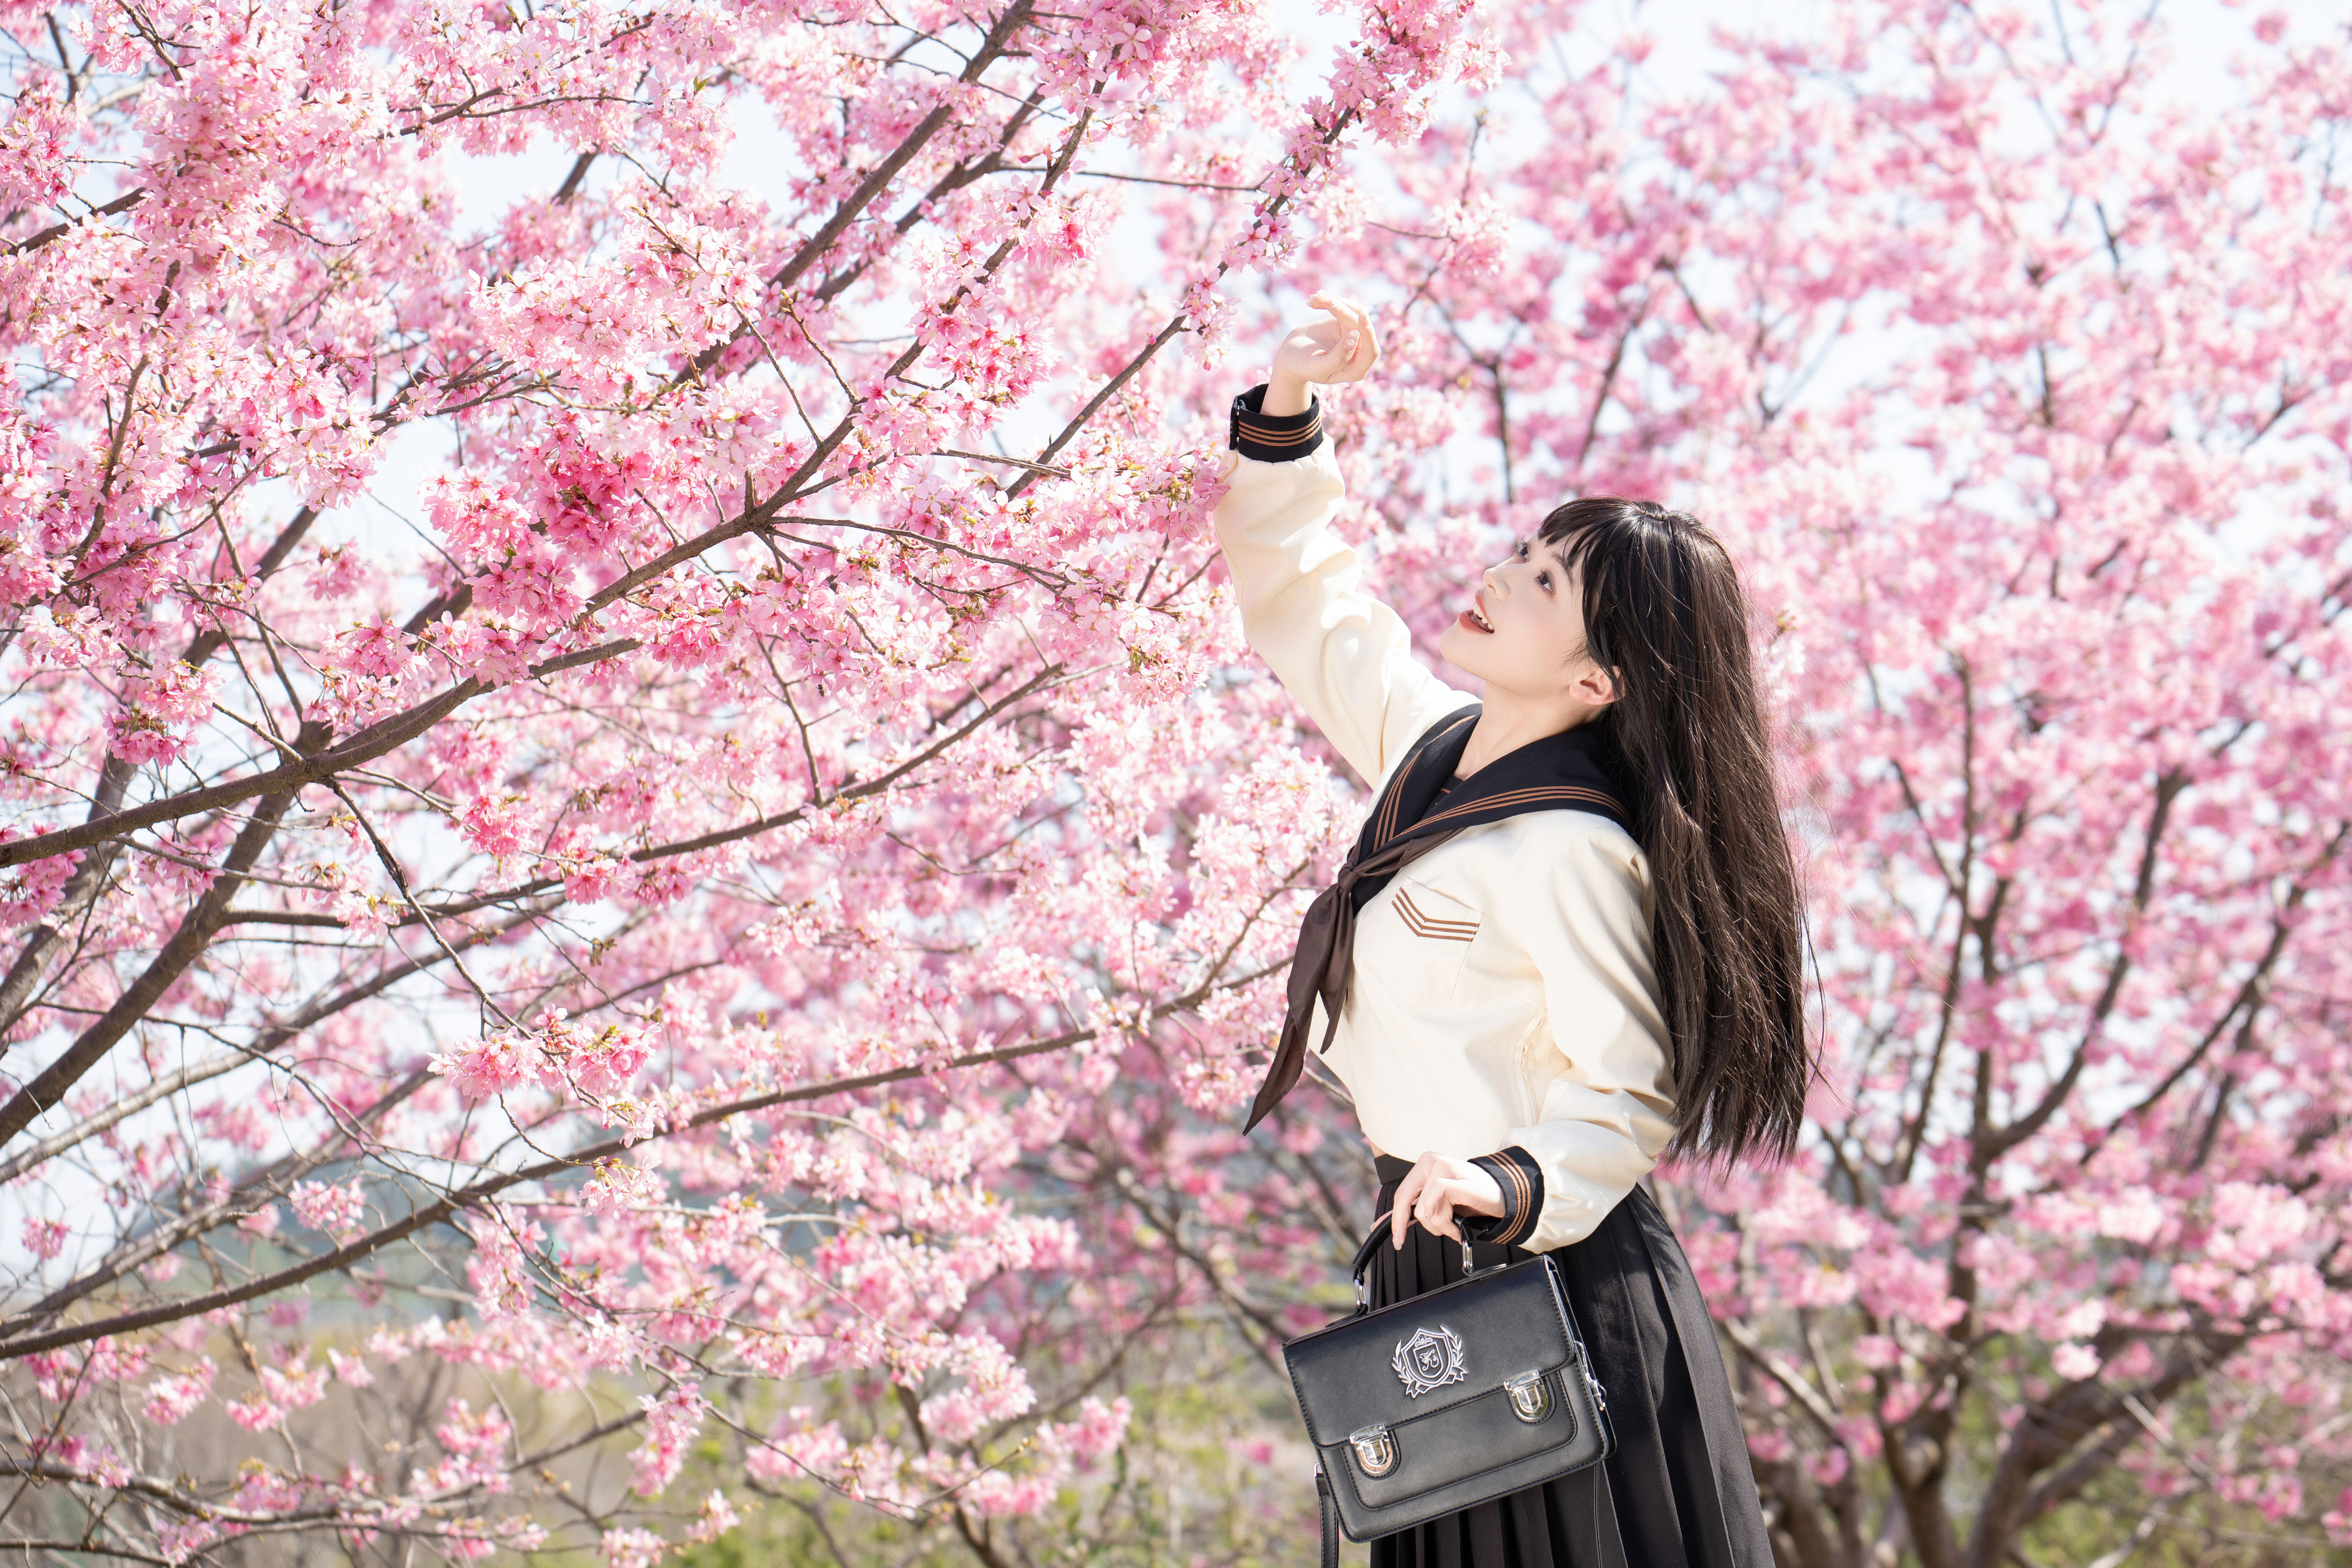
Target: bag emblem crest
1430, 1359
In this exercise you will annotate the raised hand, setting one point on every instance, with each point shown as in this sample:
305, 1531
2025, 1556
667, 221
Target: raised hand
1341, 348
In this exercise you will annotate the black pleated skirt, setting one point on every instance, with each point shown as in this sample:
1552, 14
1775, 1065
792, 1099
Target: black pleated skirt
1678, 1491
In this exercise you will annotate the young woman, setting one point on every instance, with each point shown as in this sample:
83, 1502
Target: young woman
1568, 943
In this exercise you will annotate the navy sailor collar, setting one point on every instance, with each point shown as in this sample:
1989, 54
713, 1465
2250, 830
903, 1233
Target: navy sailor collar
1575, 770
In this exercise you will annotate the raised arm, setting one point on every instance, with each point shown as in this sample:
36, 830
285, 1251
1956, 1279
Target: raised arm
1342, 654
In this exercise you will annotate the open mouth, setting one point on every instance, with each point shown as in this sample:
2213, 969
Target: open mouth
1475, 618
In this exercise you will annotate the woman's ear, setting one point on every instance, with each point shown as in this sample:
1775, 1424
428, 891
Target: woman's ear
1594, 687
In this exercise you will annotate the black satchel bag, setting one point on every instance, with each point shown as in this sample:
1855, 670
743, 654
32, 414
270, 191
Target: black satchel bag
1467, 1393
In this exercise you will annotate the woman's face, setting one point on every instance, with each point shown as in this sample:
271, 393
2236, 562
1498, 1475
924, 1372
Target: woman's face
1523, 632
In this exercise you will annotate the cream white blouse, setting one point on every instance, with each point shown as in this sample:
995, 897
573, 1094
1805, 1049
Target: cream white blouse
1504, 992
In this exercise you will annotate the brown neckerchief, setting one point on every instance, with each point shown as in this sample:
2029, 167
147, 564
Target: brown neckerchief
1563, 772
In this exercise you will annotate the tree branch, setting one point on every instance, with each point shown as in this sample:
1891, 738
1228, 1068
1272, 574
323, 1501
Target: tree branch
492, 1186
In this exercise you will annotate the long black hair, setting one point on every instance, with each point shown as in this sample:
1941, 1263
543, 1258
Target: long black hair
1664, 615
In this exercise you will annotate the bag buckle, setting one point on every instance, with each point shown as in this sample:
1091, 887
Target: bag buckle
1530, 1397
1376, 1451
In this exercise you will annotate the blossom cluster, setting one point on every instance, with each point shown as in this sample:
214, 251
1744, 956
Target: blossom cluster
724, 958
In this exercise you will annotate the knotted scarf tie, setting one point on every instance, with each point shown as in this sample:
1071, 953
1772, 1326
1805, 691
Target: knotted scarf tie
1567, 771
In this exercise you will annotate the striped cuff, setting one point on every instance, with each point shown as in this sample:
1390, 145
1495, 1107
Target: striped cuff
1516, 1171
1274, 437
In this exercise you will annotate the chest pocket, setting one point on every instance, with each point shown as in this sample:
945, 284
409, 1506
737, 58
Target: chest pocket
1431, 935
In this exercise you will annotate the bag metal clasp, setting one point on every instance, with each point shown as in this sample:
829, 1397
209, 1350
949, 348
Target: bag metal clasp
1376, 1450
1599, 1392
1530, 1397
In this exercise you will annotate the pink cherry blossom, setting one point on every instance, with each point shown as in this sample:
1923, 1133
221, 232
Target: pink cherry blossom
671, 1423
337, 1210
761, 890
171, 1396
44, 1239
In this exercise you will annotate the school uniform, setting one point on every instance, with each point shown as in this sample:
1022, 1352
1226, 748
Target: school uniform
1481, 978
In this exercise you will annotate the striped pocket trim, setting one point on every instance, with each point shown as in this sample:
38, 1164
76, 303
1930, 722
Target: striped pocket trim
1422, 923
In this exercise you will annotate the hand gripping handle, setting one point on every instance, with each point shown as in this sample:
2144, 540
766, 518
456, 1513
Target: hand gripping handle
1372, 1243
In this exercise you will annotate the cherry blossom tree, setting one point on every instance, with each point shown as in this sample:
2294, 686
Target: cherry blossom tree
735, 944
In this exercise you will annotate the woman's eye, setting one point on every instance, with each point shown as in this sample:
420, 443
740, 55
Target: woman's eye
1543, 581
1521, 550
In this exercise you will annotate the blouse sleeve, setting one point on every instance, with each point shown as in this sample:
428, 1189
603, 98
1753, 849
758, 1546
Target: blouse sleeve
1343, 656
1604, 1096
